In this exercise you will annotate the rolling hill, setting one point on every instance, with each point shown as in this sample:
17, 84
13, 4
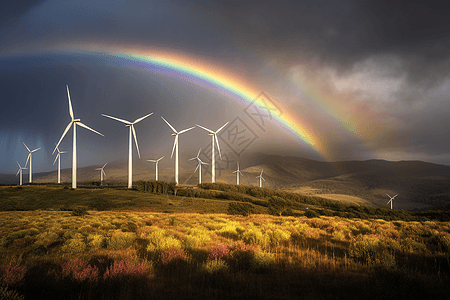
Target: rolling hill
420, 185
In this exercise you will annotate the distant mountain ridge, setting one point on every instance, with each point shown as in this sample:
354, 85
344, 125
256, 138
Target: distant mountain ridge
419, 184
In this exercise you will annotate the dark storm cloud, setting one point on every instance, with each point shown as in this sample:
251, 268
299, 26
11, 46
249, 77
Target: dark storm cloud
12, 10
344, 32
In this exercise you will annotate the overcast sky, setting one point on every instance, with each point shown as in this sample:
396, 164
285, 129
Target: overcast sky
368, 79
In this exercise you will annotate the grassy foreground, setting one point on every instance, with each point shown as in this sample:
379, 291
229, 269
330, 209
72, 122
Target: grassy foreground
132, 245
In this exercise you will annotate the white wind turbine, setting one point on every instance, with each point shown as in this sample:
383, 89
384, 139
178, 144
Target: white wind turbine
29, 158
130, 148
175, 146
237, 174
156, 161
102, 172
73, 122
58, 157
260, 178
20, 171
392, 198
199, 166
213, 135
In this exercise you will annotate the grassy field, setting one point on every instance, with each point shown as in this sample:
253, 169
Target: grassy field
58, 243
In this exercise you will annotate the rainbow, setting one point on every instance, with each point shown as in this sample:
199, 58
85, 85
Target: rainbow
204, 71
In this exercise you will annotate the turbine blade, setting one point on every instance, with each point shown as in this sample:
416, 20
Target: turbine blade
183, 131
209, 130
70, 103
103, 172
160, 158
117, 119
135, 140
56, 158
140, 119
18, 171
198, 165
18, 164
104, 165
173, 129
221, 127
29, 154
388, 195
174, 143
87, 127
193, 158
35, 150
64, 133
217, 143
263, 178
26, 147
152, 160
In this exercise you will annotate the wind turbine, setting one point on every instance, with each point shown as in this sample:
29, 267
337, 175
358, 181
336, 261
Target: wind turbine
20, 171
175, 146
237, 174
156, 161
102, 172
260, 178
58, 157
29, 158
213, 135
199, 166
392, 198
73, 122
130, 149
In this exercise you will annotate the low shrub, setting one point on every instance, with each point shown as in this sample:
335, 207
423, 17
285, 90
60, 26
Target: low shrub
12, 275
7, 294
219, 252
74, 246
160, 240
238, 208
121, 240
125, 268
262, 261
214, 267
79, 271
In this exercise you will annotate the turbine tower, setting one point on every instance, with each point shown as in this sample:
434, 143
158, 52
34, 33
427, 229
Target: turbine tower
213, 135
156, 161
130, 148
237, 174
20, 171
58, 157
260, 178
102, 172
392, 198
73, 122
29, 158
175, 146
199, 166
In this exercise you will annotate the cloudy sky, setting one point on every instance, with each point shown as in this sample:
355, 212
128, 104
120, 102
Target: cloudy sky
345, 80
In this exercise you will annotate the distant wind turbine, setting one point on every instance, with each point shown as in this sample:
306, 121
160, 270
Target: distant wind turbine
30, 158
73, 122
102, 172
237, 174
156, 161
213, 135
199, 166
58, 157
175, 146
20, 171
391, 201
260, 178
130, 148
